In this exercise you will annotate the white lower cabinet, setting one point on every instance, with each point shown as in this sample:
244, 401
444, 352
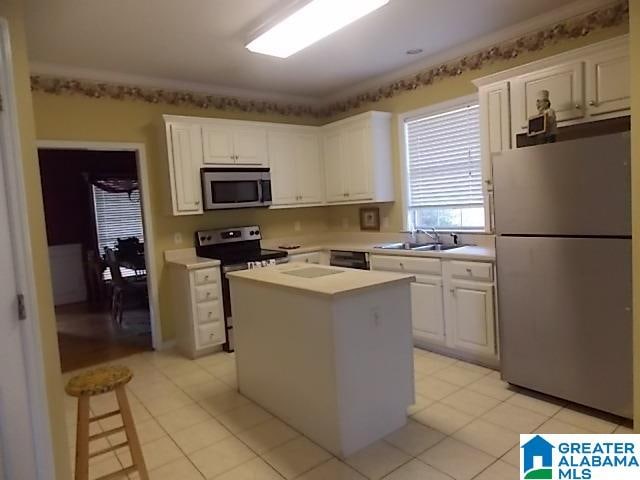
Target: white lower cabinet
452, 305
427, 312
197, 309
470, 318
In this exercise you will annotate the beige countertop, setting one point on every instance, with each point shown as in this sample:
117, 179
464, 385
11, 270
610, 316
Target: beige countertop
187, 258
347, 281
462, 253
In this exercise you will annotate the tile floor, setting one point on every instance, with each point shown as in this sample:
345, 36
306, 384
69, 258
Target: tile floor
194, 425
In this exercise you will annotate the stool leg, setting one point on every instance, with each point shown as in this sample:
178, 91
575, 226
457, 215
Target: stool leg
82, 439
130, 431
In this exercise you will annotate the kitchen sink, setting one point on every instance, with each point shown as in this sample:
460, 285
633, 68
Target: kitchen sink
402, 246
436, 247
418, 247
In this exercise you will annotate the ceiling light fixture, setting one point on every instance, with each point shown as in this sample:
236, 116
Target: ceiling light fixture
316, 20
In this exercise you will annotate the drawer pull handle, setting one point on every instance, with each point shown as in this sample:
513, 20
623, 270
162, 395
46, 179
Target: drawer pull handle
401, 265
469, 271
208, 294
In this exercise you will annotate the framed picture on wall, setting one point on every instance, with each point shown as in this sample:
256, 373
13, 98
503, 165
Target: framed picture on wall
370, 219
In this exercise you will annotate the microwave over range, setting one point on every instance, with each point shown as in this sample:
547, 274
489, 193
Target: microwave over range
225, 188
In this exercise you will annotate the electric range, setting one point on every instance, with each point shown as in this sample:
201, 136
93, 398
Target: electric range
237, 248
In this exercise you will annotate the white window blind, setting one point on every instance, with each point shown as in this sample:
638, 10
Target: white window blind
444, 169
117, 216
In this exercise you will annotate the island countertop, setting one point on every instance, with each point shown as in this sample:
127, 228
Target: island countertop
320, 279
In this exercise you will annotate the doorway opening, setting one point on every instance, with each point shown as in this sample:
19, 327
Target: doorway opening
94, 218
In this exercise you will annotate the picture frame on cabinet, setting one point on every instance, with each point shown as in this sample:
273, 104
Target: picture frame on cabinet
370, 219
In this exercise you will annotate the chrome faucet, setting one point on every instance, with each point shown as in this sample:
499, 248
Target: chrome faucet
435, 236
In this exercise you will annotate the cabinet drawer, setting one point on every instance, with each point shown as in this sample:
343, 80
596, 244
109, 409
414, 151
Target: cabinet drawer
208, 312
206, 293
429, 266
472, 270
206, 275
211, 334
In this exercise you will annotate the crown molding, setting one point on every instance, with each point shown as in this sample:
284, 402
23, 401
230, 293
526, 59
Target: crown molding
535, 35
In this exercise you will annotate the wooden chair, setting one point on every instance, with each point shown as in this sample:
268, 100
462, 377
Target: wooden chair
121, 289
98, 382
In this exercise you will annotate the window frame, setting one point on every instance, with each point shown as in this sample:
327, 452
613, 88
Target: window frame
404, 159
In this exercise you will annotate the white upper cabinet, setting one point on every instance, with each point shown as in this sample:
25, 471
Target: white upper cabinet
353, 167
185, 161
309, 173
608, 82
217, 145
296, 169
357, 159
333, 167
231, 145
565, 84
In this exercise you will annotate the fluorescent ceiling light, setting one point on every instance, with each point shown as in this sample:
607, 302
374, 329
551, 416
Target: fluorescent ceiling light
316, 20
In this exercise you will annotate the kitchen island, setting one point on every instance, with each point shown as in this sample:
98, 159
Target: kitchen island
328, 350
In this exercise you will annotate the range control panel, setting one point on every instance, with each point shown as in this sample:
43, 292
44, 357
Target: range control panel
228, 235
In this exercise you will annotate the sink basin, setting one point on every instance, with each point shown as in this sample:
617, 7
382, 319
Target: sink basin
437, 247
403, 246
419, 247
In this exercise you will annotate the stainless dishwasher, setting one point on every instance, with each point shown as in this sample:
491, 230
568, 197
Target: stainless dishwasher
341, 258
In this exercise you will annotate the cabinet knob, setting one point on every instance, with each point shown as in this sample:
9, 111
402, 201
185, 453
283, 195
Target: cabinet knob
197, 202
208, 294
578, 106
593, 103
469, 271
401, 265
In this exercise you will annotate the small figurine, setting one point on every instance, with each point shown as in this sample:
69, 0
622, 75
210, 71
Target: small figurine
544, 125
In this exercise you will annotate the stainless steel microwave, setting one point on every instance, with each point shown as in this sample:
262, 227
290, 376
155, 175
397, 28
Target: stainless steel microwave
225, 188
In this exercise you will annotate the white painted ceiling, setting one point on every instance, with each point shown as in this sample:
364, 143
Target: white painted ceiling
202, 41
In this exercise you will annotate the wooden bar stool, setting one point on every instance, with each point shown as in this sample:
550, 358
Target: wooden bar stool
97, 382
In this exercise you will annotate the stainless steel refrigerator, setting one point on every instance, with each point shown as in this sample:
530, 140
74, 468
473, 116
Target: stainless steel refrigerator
563, 224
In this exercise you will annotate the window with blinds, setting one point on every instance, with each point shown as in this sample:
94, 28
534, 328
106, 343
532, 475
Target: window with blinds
117, 216
444, 175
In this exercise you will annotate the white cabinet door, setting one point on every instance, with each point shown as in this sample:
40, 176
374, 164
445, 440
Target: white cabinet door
217, 145
250, 146
427, 313
565, 84
184, 168
309, 179
334, 168
608, 82
356, 156
470, 317
282, 147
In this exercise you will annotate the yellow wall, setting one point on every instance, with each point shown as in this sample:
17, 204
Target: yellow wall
439, 92
635, 193
102, 120
12, 11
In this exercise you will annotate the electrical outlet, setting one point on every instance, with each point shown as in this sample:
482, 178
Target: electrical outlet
177, 238
297, 226
345, 223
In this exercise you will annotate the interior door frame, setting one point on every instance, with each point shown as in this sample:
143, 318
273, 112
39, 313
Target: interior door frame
11, 159
149, 242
